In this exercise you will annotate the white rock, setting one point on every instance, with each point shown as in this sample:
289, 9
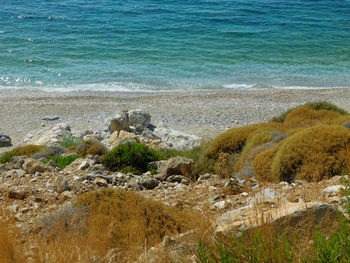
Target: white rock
177, 139
220, 204
333, 189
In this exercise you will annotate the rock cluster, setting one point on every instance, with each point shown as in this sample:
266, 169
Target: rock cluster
135, 126
126, 126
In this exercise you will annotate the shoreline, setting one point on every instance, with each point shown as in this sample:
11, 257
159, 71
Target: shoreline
204, 113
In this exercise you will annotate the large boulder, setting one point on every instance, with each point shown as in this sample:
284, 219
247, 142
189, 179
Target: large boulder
118, 138
177, 139
119, 122
177, 166
49, 135
5, 140
139, 118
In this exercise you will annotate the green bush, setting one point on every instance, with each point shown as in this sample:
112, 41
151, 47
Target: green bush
61, 161
68, 141
6, 157
131, 156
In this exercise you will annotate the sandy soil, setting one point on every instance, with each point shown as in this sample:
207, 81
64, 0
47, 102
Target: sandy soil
205, 113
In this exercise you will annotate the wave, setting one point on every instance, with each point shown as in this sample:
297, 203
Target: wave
146, 88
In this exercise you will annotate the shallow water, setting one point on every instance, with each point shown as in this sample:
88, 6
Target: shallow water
171, 45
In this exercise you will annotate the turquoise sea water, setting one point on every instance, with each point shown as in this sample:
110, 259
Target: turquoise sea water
166, 45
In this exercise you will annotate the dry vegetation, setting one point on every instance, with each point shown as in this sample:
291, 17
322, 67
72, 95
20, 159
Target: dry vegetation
97, 224
307, 142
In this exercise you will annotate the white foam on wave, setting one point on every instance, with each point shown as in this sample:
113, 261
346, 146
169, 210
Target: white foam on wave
144, 88
265, 86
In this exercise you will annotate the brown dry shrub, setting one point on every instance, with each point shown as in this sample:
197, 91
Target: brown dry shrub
27, 150
304, 116
10, 249
96, 224
312, 154
233, 140
224, 166
91, 146
257, 138
262, 165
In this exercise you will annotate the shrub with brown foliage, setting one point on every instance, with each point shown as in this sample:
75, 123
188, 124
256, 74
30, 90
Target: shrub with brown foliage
255, 139
304, 116
224, 166
316, 105
312, 154
233, 140
27, 150
263, 163
91, 146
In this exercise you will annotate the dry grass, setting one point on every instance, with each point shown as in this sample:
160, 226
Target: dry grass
99, 223
10, 249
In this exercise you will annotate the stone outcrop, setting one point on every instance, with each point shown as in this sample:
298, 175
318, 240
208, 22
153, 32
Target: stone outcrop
135, 125
176, 166
49, 135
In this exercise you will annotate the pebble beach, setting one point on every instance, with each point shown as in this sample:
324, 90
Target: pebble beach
202, 113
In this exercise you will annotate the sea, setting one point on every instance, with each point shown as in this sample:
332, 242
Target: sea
149, 45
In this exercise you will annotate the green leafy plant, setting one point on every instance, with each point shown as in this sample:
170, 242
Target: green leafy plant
68, 141
131, 155
63, 161
6, 157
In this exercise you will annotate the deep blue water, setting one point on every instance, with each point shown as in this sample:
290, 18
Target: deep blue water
182, 44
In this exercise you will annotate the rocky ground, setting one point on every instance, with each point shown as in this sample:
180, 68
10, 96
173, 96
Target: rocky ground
32, 189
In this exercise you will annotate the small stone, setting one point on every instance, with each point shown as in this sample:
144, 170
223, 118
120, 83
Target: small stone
17, 194
67, 195
14, 208
37, 174
220, 205
216, 197
244, 194
100, 182
50, 118
19, 218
